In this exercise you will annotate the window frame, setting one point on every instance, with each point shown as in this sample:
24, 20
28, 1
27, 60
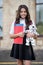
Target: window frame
41, 35
1, 37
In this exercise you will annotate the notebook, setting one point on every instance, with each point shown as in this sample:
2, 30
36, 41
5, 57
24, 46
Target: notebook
17, 29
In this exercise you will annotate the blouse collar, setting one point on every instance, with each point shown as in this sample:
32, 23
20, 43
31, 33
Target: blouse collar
22, 21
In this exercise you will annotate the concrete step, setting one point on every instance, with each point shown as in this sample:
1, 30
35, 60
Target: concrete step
5, 56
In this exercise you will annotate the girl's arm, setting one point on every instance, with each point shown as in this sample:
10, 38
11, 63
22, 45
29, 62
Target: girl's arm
17, 35
14, 36
35, 33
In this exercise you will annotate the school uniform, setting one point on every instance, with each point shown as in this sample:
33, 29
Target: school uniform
21, 51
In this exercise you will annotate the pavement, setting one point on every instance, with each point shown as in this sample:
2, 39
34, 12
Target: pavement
5, 58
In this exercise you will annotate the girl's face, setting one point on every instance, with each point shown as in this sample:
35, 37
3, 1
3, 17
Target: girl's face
23, 13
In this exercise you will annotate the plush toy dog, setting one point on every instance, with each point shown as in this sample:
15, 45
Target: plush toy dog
32, 28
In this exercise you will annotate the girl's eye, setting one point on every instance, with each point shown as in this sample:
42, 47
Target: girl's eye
23, 11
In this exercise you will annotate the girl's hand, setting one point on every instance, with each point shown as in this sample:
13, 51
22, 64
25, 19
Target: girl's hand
29, 34
35, 36
21, 34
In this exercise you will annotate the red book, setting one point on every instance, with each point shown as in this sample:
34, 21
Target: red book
17, 29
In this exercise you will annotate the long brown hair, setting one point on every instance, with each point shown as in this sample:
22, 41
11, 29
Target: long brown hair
27, 19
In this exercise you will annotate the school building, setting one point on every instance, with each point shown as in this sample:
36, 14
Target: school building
8, 9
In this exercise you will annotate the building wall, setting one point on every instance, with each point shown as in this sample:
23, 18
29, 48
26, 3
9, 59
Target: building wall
9, 13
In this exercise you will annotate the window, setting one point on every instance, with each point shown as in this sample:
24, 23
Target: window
1, 17
39, 15
39, 1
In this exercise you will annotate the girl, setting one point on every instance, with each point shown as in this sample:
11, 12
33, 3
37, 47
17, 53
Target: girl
20, 51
